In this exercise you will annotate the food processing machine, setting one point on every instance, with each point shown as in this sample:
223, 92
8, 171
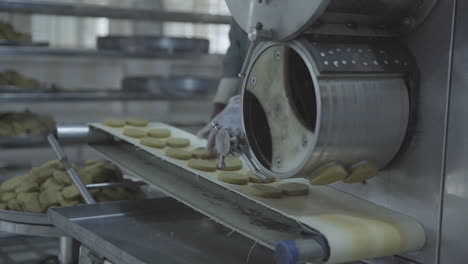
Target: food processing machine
371, 85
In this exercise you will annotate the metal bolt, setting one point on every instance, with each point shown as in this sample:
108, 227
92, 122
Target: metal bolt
407, 23
278, 55
351, 25
278, 162
322, 54
253, 80
344, 62
336, 63
325, 63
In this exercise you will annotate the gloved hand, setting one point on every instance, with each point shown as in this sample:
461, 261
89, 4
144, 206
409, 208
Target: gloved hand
230, 119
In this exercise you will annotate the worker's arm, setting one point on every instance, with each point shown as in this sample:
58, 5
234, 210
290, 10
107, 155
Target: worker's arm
230, 82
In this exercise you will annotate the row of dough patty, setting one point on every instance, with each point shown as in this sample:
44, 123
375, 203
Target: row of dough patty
200, 159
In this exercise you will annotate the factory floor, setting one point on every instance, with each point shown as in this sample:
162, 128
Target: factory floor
26, 250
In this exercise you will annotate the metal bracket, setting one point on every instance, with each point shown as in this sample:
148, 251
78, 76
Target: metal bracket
227, 144
256, 35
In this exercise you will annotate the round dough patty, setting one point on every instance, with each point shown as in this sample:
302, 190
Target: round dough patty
178, 154
11, 184
134, 132
328, 175
361, 173
159, 133
265, 191
152, 142
294, 188
255, 179
202, 153
178, 142
233, 177
232, 165
136, 121
203, 165
114, 122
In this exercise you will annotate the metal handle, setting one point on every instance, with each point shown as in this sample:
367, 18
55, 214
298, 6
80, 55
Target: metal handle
256, 35
70, 170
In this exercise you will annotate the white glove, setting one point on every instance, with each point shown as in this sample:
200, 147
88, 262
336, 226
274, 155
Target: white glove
230, 119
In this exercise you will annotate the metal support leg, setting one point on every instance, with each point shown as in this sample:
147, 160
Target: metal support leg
68, 250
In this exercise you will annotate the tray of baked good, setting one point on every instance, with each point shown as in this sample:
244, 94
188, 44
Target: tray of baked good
179, 86
20, 43
9, 36
26, 198
12, 81
153, 44
24, 129
23, 141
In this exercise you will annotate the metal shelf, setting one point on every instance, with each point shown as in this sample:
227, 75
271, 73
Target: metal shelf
88, 96
58, 52
87, 10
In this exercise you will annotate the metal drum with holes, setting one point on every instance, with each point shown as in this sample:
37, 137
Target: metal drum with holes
314, 101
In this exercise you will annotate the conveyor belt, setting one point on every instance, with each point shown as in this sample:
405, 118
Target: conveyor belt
355, 229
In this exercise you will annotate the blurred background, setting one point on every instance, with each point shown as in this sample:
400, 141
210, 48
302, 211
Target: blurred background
73, 62
87, 65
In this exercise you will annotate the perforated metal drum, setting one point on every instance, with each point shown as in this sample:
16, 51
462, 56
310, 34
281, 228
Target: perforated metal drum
310, 102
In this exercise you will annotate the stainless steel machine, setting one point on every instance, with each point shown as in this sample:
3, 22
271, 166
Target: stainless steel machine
359, 83
375, 88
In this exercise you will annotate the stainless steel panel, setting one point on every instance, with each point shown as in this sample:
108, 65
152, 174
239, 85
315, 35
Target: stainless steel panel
413, 184
287, 19
455, 202
156, 231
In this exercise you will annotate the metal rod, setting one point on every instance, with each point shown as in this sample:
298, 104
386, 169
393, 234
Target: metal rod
72, 134
114, 184
71, 171
87, 10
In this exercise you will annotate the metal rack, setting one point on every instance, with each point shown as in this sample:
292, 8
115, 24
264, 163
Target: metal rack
90, 10
59, 52
86, 96
87, 10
